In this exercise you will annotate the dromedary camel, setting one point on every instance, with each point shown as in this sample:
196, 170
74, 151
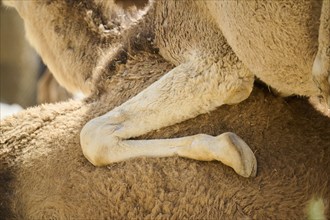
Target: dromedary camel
44, 175
217, 47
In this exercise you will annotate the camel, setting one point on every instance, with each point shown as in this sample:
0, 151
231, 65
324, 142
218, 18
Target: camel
217, 47
44, 174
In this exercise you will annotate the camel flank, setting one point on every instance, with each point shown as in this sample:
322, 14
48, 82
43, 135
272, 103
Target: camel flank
44, 173
213, 67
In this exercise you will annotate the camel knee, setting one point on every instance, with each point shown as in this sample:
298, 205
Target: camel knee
88, 136
96, 142
240, 92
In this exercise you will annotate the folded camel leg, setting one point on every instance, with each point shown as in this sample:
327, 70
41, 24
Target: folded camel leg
192, 88
321, 66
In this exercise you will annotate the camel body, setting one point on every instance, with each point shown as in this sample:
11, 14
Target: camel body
218, 47
43, 172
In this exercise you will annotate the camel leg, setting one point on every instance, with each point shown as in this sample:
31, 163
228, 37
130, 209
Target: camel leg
193, 88
321, 66
227, 148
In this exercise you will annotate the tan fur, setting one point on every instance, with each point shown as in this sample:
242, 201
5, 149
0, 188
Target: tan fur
211, 70
71, 59
43, 173
277, 41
